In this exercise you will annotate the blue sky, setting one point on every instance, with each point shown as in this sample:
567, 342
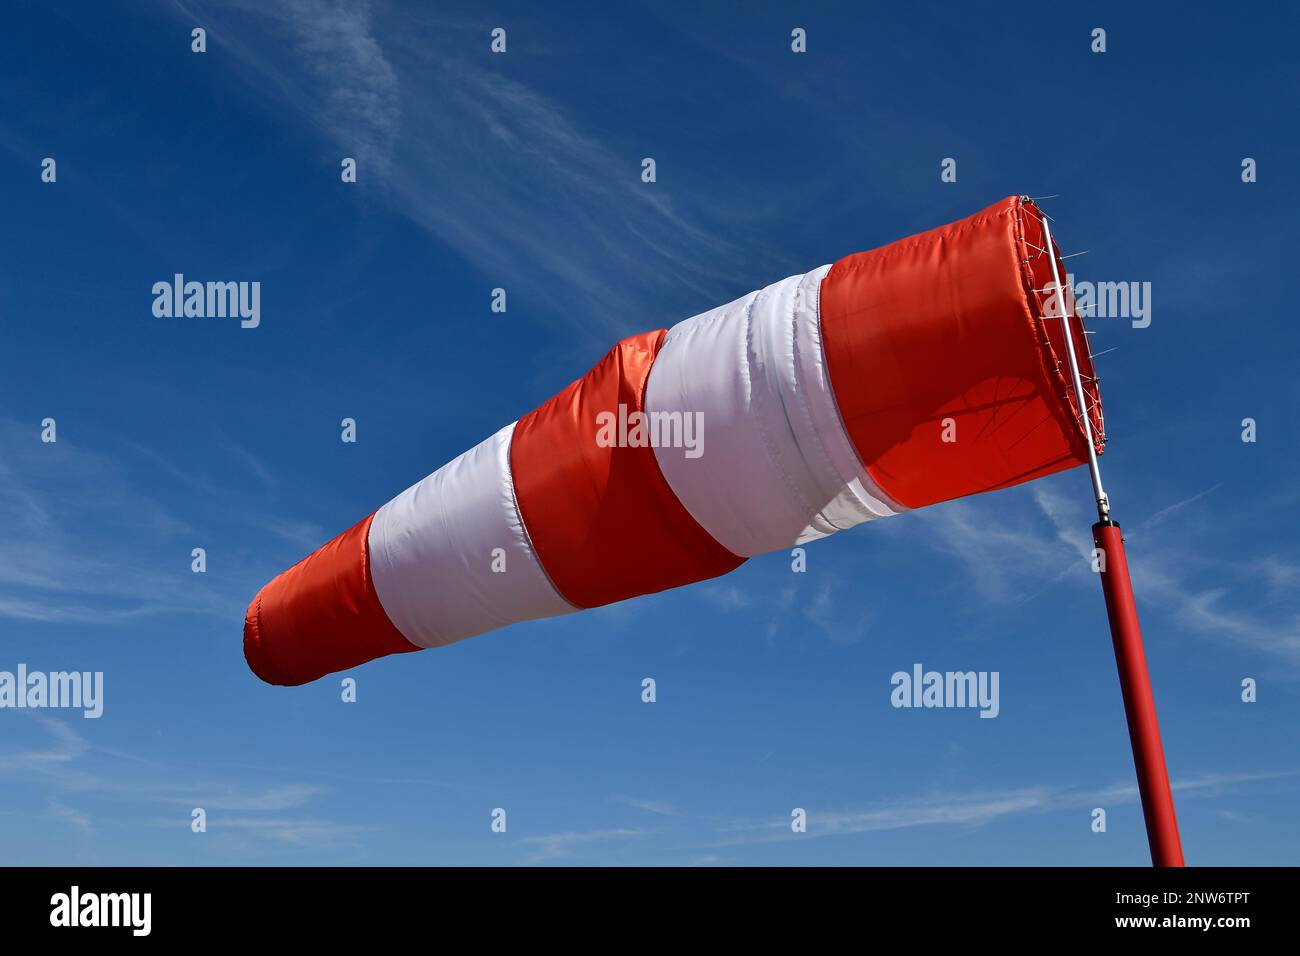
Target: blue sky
522, 171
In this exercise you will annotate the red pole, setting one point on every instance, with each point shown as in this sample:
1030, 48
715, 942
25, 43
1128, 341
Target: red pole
1139, 704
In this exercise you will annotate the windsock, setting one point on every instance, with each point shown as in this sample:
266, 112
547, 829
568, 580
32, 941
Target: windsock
925, 370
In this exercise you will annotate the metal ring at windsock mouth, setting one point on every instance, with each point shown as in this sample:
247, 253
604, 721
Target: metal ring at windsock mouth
1040, 288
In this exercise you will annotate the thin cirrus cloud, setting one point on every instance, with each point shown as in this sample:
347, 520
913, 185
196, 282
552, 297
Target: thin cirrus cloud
53, 759
73, 816
301, 832
69, 763
963, 810
659, 807
1003, 548
551, 846
980, 809
487, 165
82, 545
283, 797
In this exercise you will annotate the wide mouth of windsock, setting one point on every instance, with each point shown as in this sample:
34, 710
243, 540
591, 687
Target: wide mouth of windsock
1050, 328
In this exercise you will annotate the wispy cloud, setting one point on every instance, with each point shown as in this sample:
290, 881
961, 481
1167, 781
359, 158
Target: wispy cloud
1177, 506
977, 809
1011, 556
659, 807
789, 608
67, 763
843, 623
307, 536
54, 758
486, 164
81, 543
399, 781
303, 832
75, 817
728, 597
336, 74
1001, 556
275, 798
966, 809
554, 845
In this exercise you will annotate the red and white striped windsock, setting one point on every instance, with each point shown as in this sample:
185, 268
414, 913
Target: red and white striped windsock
925, 370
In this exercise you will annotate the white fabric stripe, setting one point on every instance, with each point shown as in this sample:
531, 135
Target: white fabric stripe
432, 552
776, 467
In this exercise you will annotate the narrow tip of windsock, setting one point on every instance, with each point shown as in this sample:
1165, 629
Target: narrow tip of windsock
321, 616
255, 650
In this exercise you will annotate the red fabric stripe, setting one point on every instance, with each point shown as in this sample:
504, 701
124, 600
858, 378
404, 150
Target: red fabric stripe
604, 522
944, 325
320, 616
